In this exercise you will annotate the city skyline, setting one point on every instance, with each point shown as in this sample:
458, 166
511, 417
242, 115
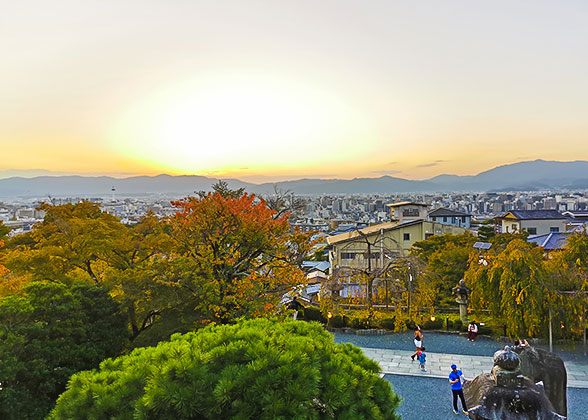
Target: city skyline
263, 92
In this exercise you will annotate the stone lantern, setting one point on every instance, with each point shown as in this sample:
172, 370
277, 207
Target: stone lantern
462, 293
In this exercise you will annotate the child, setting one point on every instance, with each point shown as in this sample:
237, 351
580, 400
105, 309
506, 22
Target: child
422, 359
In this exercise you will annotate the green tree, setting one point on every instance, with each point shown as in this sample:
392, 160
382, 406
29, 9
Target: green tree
259, 369
446, 260
512, 285
47, 334
486, 231
71, 243
567, 275
80, 243
3, 230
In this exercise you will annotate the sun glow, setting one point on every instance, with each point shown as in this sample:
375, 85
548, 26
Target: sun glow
228, 125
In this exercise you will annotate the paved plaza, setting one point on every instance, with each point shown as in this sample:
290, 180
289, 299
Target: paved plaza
428, 396
398, 362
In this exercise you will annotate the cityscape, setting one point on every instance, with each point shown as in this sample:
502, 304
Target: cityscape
309, 210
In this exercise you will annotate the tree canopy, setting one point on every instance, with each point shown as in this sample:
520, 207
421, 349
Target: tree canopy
259, 369
233, 256
47, 334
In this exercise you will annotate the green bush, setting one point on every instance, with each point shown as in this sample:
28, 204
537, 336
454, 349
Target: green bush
485, 330
457, 325
433, 325
314, 314
388, 323
360, 322
338, 321
257, 369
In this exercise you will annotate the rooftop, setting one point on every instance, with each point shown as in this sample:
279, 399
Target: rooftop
350, 236
443, 212
551, 241
406, 203
533, 215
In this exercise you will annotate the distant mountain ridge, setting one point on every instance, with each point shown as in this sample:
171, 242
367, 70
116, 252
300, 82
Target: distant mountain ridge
521, 176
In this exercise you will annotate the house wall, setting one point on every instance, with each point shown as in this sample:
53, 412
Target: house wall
408, 213
461, 221
353, 254
543, 226
510, 226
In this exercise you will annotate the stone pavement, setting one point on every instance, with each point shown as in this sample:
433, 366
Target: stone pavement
397, 362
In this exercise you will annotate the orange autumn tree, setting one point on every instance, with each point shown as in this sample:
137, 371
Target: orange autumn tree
233, 255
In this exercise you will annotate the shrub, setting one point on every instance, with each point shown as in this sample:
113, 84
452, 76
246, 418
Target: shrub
338, 321
485, 330
388, 323
257, 369
457, 325
314, 314
433, 325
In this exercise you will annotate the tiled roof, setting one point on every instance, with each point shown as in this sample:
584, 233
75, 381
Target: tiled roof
350, 236
442, 212
534, 214
550, 241
406, 203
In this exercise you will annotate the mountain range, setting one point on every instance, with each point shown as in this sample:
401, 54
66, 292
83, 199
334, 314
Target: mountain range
521, 176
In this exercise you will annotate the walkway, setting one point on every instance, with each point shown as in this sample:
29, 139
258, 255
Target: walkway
397, 362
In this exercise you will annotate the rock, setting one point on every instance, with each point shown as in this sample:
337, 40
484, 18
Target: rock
475, 389
501, 403
540, 365
506, 394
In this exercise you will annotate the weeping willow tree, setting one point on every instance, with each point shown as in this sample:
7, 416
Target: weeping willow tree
512, 285
525, 288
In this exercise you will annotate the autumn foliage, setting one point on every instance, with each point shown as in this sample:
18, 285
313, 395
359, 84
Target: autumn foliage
234, 255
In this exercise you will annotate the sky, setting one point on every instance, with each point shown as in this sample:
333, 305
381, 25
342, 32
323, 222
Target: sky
265, 90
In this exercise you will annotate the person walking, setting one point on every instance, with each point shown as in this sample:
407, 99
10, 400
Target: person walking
472, 331
418, 341
422, 359
457, 389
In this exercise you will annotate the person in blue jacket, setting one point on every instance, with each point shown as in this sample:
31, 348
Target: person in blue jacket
422, 359
457, 389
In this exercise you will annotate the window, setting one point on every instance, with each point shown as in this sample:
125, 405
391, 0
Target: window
532, 230
445, 219
554, 229
374, 255
347, 255
428, 235
410, 212
407, 236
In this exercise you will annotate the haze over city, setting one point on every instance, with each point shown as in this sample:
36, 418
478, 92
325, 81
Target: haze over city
266, 91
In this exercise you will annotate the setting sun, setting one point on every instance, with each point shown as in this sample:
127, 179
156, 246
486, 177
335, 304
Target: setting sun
220, 123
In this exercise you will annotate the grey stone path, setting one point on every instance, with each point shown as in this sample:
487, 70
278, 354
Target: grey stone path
397, 362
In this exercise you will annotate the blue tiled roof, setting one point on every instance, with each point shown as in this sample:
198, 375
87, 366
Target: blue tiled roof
318, 265
536, 214
550, 241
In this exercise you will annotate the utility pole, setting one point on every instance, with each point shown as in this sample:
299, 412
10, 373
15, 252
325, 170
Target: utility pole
550, 333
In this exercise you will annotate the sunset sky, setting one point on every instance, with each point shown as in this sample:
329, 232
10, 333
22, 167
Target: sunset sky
268, 90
